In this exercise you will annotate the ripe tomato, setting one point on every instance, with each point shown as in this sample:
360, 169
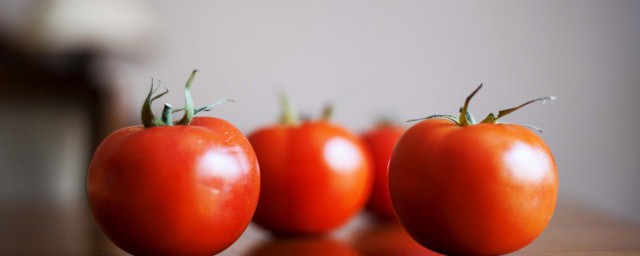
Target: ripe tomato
473, 189
174, 189
380, 142
314, 176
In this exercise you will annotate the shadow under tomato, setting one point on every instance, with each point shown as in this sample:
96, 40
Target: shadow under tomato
387, 238
302, 246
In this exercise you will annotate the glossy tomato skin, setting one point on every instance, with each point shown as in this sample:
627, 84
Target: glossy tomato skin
380, 142
174, 190
483, 189
315, 177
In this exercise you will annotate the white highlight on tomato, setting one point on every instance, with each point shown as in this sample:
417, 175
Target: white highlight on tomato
526, 163
222, 164
342, 155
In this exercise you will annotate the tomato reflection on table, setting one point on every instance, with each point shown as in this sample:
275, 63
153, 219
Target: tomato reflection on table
366, 235
303, 245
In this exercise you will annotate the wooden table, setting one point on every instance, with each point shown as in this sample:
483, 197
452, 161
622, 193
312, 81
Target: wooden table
574, 230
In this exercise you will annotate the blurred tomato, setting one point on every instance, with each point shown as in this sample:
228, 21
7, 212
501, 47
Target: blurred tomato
380, 142
315, 176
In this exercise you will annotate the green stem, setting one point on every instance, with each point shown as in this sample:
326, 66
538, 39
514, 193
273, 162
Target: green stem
148, 118
386, 121
327, 112
465, 117
288, 116
189, 110
491, 118
448, 117
206, 108
166, 114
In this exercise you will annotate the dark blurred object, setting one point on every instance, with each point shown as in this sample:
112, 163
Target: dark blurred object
58, 98
36, 80
55, 111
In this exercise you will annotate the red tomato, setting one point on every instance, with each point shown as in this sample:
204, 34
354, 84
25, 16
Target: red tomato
314, 177
380, 142
473, 189
174, 189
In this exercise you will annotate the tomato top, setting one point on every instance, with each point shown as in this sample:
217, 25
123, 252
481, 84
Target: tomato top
380, 142
150, 120
466, 118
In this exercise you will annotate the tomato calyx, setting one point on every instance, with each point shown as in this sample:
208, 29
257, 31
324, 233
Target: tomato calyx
289, 116
327, 112
150, 120
466, 118
386, 121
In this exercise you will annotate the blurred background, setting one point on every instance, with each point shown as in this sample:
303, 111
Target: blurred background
72, 71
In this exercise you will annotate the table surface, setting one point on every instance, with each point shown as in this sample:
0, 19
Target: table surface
574, 230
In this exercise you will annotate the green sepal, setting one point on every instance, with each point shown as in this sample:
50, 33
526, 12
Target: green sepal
448, 117
148, 118
288, 116
466, 118
464, 114
189, 110
491, 118
327, 112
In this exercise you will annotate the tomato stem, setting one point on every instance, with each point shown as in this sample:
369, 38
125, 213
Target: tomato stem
466, 118
386, 121
189, 110
148, 118
448, 117
166, 114
206, 108
327, 112
491, 118
288, 116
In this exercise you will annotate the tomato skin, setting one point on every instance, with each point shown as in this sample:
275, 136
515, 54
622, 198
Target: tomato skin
482, 189
315, 177
380, 142
174, 190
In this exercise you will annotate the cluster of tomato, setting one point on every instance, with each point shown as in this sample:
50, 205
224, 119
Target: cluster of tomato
191, 187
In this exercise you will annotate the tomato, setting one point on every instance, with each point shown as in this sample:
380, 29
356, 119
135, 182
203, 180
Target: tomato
314, 176
187, 189
473, 189
380, 142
